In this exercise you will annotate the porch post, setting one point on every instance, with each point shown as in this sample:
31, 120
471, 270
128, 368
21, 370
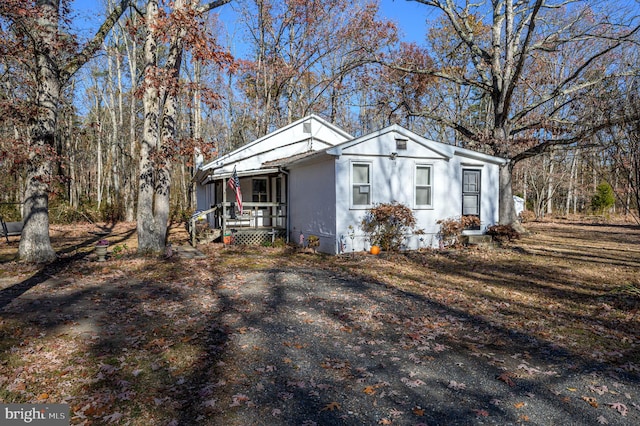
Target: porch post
224, 208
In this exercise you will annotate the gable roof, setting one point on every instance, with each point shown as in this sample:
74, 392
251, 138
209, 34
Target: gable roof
236, 155
443, 150
293, 139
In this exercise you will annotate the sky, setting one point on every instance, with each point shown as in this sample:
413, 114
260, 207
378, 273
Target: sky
409, 16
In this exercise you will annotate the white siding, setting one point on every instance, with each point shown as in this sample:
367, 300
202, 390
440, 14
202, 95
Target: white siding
312, 208
393, 179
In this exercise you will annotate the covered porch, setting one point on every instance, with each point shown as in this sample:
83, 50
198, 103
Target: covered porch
264, 214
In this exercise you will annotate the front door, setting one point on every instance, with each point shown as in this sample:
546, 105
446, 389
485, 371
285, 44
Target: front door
471, 193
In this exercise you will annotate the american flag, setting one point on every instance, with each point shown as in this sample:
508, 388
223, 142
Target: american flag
234, 183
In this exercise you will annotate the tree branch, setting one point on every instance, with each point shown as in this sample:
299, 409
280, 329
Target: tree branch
210, 6
587, 133
94, 44
451, 124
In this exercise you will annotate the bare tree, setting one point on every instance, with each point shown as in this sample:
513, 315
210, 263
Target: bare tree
304, 57
505, 44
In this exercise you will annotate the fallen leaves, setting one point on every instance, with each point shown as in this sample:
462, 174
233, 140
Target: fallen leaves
507, 377
456, 386
418, 411
369, 390
112, 418
412, 383
239, 399
600, 390
591, 401
620, 408
273, 341
333, 405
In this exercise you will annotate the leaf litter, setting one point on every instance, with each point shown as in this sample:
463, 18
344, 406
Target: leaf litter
267, 336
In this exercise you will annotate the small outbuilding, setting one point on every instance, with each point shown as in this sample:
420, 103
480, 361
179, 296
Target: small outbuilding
312, 178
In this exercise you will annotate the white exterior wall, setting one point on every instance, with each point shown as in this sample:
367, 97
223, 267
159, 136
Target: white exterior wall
205, 196
394, 180
312, 208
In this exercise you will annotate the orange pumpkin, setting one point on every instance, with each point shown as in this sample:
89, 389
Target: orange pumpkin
375, 250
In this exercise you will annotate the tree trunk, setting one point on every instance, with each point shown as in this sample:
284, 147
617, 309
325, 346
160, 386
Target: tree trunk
148, 232
35, 244
50, 76
525, 185
129, 195
114, 181
572, 183
550, 184
506, 209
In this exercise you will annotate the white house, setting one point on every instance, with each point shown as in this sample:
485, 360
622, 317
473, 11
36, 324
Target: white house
311, 178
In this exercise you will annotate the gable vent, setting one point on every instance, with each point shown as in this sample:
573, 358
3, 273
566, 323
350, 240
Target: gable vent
306, 127
401, 144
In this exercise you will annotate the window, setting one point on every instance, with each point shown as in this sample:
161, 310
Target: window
471, 194
361, 184
423, 186
259, 191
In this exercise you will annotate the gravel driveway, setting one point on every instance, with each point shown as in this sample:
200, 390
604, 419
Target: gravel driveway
175, 344
308, 346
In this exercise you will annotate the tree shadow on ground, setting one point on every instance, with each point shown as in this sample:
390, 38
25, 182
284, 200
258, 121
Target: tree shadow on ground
200, 343
64, 261
302, 354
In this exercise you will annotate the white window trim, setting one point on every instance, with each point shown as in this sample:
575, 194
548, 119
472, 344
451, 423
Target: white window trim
351, 183
415, 186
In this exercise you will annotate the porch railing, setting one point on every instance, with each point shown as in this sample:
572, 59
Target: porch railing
255, 215
223, 216
194, 219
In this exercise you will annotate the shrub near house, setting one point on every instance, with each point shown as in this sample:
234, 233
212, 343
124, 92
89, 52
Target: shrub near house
386, 225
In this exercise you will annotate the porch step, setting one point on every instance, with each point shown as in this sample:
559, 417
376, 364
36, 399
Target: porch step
477, 240
209, 236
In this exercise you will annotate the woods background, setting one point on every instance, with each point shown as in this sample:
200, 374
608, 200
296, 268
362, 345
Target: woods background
550, 85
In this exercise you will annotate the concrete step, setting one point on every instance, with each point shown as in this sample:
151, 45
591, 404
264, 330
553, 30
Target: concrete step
480, 240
